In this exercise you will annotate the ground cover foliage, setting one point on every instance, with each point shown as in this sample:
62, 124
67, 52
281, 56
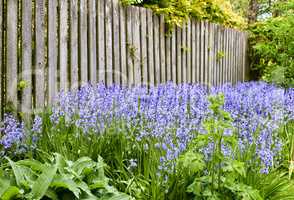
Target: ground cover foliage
165, 142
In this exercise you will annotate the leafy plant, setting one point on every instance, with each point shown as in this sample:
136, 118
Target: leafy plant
31, 179
273, 47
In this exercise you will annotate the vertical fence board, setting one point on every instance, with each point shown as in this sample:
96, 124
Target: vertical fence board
222, 75
123, 46
217, 56
212, 52
130, 49
184, 53
168, 61
202, 53
230, 56
179, 55
156, 41
197, 51
173, 55
26, 72
11, 86
226, 56
40, 53
150, 48
101, 41
137, 46
52, 49
143, 31
214, 58
83, 46
189, 52
207, 53
162, 49
243, 57
108, 42
74, 44
1, 58
116, 49
193, 51
92, 41
63, 36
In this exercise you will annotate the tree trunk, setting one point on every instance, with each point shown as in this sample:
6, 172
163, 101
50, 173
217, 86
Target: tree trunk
252, 11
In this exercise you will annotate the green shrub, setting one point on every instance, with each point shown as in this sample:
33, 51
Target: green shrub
272, 51
178, 11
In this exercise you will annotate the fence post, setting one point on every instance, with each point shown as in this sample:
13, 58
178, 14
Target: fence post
11, 65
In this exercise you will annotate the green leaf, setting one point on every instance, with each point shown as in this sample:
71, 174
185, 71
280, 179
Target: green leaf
118, 196
10, 193
82, 164
43, 182
66, 183
33, 164
18, 173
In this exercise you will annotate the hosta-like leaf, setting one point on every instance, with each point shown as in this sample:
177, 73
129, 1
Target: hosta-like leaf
117, 196
33, 164
43, 182
10, 193
84, 164
62, 182
18, 173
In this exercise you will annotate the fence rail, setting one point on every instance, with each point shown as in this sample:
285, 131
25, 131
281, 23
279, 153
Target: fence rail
51, 45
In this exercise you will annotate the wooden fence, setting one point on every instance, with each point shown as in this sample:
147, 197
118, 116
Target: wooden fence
52, 45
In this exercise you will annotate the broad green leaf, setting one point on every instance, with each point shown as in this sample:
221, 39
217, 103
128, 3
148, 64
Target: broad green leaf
51, 194
82, 164
10, 193
63, 182
4, 185
118, 196
18, 172
33, 164
43, 182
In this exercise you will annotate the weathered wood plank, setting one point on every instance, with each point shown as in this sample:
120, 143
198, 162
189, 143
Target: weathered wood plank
26, 72
123, 46
11, 84
83, 43
101, 42
92, 41
215, 50
156, 48
63, 48
202, 53
179, 54
184, 50
168, 60
222, 78
162, 49
206, 53
136, 45
116, 49
174, 55
108, 42
1, 58
189, 51
52, 50
40, 53
150, 52
226, 56
230, 57
193, 51
210, 53
198, 51
143, 31
74, 66
130, 47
